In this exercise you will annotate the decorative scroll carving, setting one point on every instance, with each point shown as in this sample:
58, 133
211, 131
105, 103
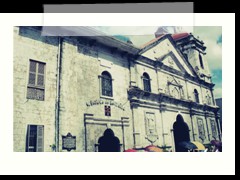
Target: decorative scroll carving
175, 89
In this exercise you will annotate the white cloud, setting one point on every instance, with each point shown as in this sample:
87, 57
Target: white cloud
208, 32
217, 93
210, 35
214, 54
140, 40
188, 29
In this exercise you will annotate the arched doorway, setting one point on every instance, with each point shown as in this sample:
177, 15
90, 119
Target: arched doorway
181, 133
109, 142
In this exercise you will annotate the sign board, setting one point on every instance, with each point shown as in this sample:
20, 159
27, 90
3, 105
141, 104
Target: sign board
69, 142
107, 110
105, 102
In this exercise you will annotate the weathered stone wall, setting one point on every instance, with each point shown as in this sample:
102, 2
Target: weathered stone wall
80, 86
28, 44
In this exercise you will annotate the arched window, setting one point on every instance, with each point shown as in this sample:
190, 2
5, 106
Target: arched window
196, 95
146, 82
201, 61
106, 80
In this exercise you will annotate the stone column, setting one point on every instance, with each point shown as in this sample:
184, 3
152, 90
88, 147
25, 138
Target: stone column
85, 127
207, 127
136, 134
213, 99
191, 116
203, 98
133, 74
218, 126
162, 109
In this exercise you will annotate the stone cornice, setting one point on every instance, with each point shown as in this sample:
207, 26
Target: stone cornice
159, 65
136, 95
192, 40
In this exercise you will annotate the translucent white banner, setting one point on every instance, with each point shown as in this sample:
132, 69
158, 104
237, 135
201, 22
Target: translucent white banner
163, 7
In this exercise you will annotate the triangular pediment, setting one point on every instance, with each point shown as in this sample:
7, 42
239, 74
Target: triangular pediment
171, 61
173, 81
165, 51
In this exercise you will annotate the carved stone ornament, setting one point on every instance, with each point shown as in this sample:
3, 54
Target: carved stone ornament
175, 88
201, 129
152, 138
208, 99
151, 127
170, 61
135, 92
213, 127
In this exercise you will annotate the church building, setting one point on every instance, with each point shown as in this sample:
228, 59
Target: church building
90, 92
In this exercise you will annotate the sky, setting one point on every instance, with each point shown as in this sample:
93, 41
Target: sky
210, 35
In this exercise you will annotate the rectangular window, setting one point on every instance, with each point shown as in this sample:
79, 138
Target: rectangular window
35, 138
36, 81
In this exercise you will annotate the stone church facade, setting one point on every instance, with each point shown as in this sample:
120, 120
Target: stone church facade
109, 95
